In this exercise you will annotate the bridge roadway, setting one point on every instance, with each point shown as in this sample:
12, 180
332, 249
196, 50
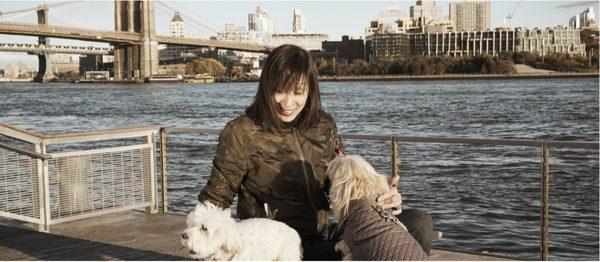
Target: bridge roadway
53, 49
117, 37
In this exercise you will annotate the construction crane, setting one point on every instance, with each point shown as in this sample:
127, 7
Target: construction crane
508, 19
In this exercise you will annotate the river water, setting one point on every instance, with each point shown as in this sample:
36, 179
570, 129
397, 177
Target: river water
483, 198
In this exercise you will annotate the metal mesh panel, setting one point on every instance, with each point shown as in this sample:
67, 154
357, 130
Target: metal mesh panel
87, 183
19, 184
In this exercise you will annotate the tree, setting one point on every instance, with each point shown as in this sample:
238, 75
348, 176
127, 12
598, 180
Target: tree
205, 66
591, 37
525, 57
238, 71
359, 67
506, 55
505, 67
322, 66
396, 67
488, 66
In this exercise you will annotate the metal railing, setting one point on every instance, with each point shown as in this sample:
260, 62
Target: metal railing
394, 140
50, 188
58, 187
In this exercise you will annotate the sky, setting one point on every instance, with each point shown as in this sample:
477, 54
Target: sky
334, 18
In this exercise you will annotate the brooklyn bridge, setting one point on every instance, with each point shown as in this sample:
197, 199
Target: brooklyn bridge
134, 39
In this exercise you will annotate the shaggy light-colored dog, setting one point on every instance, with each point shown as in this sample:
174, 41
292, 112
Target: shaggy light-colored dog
352, 178
212, 234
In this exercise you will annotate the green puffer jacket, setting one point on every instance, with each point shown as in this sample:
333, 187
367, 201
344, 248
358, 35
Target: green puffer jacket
286, 171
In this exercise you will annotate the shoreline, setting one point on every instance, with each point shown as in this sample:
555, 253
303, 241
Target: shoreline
455, 77
362, 78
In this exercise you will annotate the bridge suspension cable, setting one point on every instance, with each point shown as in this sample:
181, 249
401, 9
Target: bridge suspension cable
215, 26
34, 9
212, 30
67, 20
3, 18
194, 27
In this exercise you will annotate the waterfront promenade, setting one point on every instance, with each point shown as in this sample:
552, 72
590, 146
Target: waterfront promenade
129, 235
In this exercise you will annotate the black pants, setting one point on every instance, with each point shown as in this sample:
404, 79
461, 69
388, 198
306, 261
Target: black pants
418, 223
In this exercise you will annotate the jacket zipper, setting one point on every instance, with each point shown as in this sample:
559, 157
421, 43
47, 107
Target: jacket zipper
306, 180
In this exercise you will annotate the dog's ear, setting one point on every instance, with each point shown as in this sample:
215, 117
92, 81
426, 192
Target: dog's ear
232, 242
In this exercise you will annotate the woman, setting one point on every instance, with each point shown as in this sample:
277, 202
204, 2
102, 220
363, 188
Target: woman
274, 157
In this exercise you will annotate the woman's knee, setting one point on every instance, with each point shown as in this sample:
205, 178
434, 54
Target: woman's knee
420, 226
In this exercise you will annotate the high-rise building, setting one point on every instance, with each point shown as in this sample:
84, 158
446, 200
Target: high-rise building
471, 16
299, 26
260, 21
390, 20
427, 10
587, 18
176, 25
426, 16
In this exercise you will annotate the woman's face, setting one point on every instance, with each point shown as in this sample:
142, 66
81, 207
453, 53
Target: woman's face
289, 105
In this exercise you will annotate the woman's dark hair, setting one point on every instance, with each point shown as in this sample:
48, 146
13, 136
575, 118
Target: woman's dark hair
284, 68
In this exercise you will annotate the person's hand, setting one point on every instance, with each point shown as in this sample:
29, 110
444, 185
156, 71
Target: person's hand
394, 181
392, 198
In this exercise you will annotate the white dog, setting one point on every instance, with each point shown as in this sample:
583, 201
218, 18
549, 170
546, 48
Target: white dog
212, 234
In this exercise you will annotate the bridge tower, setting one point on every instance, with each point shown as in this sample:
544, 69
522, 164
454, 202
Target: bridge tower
44, 74
136, 61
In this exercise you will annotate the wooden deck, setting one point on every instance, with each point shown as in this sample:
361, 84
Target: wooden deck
130, 235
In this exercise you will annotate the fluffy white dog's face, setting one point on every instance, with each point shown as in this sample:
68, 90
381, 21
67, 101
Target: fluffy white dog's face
210, 233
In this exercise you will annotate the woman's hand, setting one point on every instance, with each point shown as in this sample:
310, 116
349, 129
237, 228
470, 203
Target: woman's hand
392, 198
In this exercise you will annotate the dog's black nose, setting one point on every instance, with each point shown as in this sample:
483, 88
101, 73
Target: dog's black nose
184, 236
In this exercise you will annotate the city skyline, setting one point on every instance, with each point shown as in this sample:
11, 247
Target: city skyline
348, 19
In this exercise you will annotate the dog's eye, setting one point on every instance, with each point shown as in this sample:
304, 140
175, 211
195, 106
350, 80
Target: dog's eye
203, 228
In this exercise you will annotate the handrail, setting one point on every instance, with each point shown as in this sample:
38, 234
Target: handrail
108, 134
20, 133
545, 146
433, 139
149, 132
24, 151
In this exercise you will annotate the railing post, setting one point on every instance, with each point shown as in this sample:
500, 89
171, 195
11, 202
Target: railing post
153, 209
394, 159
163, 165
545, 201
42, 173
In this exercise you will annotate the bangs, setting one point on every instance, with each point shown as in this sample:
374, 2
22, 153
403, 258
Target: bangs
294, 72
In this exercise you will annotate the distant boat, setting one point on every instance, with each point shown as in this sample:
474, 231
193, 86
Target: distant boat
200, 78
165, 78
